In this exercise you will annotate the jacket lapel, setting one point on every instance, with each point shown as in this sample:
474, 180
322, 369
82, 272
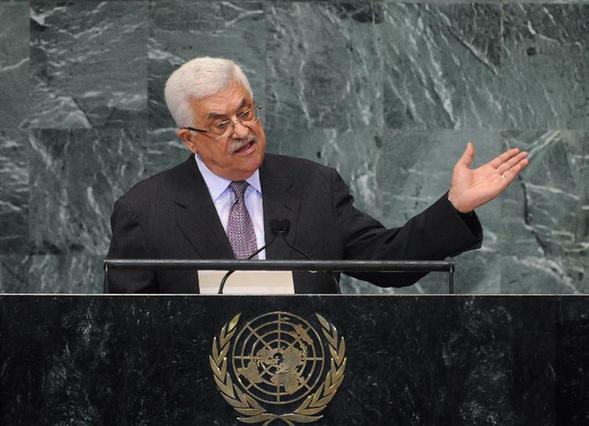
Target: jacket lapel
196, 214
198, 220
279, 204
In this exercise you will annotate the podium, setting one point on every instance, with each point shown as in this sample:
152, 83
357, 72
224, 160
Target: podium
409, 360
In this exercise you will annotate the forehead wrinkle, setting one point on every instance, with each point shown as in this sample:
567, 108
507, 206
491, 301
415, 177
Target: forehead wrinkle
215, 114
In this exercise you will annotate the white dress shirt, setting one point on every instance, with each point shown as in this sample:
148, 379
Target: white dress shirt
223, 198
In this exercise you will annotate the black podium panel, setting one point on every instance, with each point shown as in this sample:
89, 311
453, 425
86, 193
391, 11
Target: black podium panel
410, 360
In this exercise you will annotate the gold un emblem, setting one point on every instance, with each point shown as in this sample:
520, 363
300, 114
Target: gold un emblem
276, 368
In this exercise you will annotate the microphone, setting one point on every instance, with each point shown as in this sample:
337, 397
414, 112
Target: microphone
286, 224
277, 227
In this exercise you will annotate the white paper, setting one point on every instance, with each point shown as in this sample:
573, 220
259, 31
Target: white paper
247, 282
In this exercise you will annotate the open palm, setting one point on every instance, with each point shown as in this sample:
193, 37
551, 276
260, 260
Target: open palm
471, 188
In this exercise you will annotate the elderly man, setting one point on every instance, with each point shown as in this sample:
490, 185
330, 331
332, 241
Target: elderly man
220, 202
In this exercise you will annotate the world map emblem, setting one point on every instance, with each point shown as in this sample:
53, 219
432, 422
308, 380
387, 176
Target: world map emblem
278, 367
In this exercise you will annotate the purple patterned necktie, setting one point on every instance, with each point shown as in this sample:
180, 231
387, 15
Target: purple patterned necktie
240, 229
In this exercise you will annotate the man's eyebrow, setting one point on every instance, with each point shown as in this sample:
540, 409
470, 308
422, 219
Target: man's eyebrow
244, 102
216, 115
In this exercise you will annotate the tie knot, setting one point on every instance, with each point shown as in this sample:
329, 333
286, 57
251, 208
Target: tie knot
239, 188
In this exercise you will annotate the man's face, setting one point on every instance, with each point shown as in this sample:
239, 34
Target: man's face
237, 154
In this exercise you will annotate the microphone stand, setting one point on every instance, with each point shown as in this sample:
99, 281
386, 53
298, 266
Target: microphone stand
336, 282
279, 228
229, 273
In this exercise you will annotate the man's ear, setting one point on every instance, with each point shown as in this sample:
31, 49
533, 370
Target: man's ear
187, 139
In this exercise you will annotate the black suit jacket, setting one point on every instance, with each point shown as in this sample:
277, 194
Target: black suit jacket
171, 216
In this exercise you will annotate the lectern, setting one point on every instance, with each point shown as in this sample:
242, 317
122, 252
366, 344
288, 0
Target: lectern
300, 359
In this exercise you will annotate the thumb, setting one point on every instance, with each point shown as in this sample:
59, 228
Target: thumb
468, 155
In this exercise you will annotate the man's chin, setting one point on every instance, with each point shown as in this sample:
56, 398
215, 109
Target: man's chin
247, 167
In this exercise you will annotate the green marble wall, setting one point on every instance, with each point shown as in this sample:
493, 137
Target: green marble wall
387, 92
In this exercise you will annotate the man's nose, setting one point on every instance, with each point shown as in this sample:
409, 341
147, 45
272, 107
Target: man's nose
240, 130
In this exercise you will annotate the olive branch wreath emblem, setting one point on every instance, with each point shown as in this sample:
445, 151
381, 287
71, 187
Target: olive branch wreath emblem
251, 411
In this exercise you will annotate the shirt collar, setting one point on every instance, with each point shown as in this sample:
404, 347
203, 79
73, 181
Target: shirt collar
217, 184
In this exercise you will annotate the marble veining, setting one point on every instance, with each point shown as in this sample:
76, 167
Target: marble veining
76, 176
14, 192
388, 92
89, 64
538, 90
14, 65
324, 66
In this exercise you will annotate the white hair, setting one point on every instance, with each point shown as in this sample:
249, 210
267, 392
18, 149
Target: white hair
196, 79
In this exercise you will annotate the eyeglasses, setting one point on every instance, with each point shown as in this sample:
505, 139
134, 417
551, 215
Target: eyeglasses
225, 128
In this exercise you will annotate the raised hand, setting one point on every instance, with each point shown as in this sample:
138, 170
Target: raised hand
471, 188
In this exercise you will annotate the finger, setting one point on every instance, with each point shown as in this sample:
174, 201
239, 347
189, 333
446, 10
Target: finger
508, 176
468, 155
496, 162
512, 162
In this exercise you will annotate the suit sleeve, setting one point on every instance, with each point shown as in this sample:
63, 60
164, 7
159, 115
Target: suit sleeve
128, 242
435, 234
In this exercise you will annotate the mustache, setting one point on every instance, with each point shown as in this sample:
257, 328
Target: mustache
240, 143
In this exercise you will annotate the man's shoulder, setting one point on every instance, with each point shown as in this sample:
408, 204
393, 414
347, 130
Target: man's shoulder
299, 167
157, 186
